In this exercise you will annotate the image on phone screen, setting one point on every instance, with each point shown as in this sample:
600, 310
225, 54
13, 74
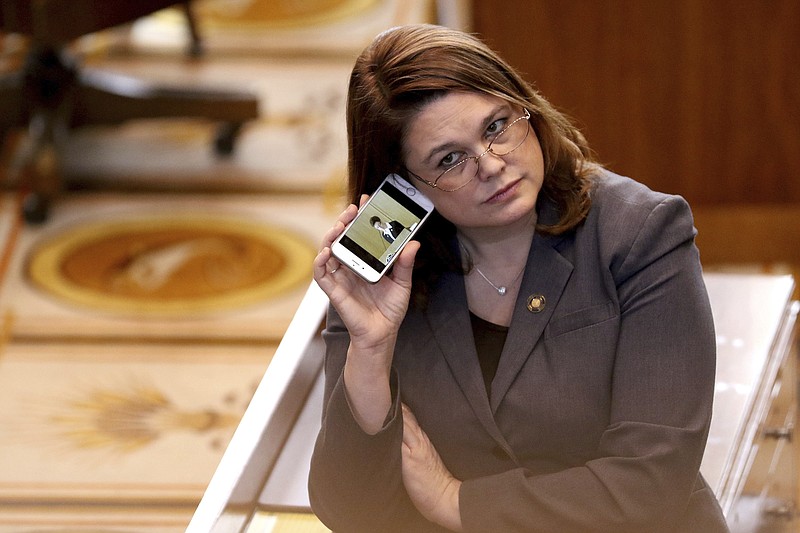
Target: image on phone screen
383, 226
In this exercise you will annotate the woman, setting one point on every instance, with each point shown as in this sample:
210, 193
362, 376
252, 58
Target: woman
543, 358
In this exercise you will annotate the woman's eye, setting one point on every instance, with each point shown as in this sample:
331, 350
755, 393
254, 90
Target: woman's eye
495, 127
449, 160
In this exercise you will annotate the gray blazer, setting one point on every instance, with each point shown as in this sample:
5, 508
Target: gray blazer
601, 403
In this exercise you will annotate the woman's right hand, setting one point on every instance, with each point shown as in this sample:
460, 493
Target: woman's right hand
371, 312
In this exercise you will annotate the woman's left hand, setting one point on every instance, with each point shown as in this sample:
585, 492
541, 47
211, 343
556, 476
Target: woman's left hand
430, 485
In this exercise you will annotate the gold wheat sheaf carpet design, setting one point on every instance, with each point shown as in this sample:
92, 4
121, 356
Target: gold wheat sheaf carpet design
136, 328
160, 266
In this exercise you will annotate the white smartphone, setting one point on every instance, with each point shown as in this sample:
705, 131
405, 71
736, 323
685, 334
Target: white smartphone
383, 226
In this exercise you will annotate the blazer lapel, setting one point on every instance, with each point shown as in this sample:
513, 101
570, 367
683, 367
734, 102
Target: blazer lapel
448, 316
545, 276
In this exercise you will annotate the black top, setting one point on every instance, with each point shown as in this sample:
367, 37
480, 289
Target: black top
489, 341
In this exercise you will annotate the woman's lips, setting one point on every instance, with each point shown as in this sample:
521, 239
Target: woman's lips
503, 193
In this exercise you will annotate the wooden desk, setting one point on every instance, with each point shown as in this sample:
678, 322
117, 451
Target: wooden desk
751, 458
261, 479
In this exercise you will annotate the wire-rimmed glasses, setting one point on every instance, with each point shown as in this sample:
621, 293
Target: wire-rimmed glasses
462, 172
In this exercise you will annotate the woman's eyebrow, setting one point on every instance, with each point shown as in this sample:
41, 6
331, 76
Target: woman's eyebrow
447, 146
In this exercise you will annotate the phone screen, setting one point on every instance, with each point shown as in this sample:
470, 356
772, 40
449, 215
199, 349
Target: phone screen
383, 226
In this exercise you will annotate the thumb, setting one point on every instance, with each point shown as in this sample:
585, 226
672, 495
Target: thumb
404, 264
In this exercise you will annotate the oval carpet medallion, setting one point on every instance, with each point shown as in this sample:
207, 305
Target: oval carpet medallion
171, 266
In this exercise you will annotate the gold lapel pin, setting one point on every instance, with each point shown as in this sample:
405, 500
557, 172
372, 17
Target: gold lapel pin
536, 303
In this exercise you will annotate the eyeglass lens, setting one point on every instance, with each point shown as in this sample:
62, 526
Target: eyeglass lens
466, 169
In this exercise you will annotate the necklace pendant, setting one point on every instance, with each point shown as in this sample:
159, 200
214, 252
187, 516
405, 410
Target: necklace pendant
502, 289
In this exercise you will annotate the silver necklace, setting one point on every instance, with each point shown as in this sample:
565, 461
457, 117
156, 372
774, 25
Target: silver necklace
502, 289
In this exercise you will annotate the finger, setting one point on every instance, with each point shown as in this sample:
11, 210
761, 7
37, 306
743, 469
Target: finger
407, 413
410, 438
325, 265
363, 200
411, 430
406, 450
348, 214
332, 234
338, 227
320, 265
332, 265
404, 265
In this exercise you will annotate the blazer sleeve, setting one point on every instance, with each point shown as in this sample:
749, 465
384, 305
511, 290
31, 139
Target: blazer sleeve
355, 482
647, 463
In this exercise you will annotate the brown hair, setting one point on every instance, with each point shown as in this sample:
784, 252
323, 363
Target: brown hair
406, 68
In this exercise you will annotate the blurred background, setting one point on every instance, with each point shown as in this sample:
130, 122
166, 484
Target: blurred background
168, 169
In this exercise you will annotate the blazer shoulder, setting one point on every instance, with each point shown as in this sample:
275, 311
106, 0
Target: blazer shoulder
615, 192
622, 206
632, 226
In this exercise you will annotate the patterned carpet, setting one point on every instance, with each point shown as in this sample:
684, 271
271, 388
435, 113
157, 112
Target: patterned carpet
135, 330
136, 323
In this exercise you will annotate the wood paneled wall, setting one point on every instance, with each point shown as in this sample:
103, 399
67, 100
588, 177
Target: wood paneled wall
695, 97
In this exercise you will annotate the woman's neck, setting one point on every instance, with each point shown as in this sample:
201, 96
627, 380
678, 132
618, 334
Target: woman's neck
498, 246
494, 262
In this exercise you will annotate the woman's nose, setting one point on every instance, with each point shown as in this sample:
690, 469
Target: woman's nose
489, 165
